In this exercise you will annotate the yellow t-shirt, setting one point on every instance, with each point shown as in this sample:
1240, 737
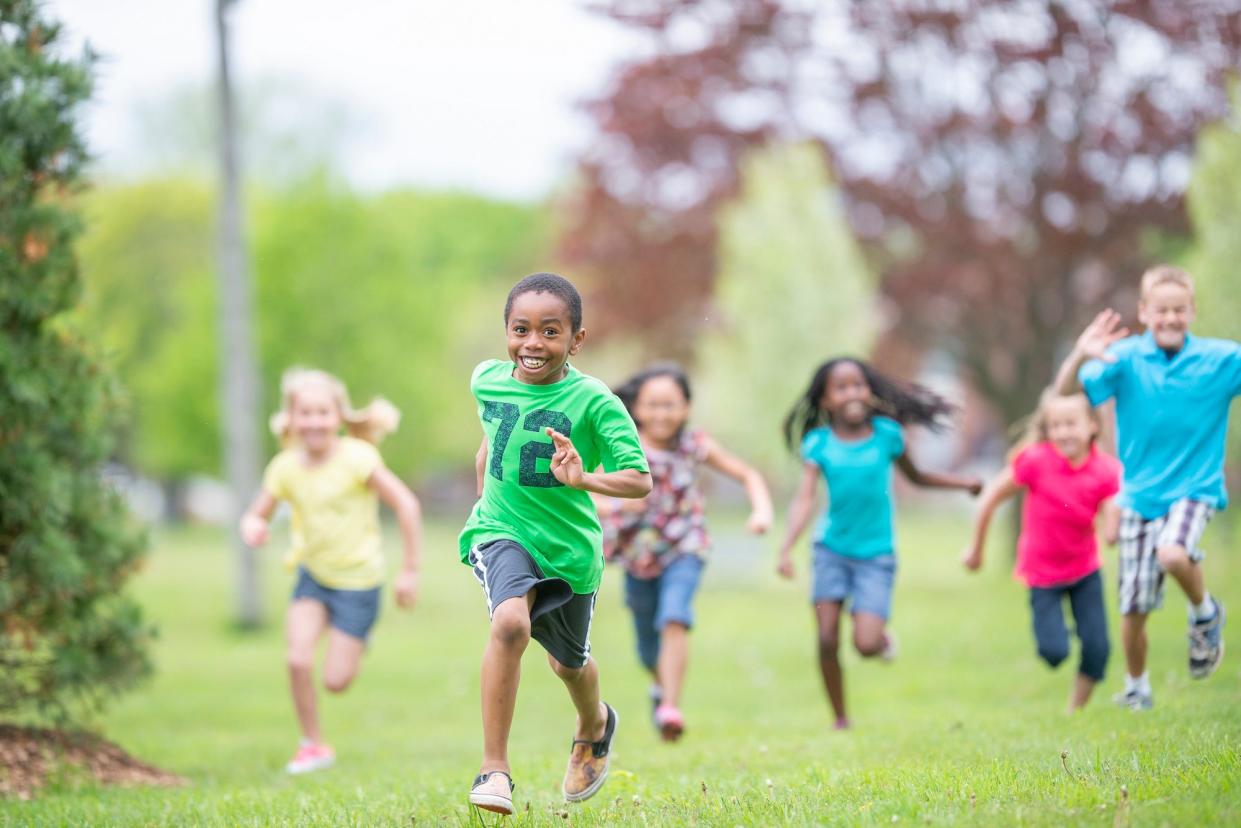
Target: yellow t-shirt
335, 525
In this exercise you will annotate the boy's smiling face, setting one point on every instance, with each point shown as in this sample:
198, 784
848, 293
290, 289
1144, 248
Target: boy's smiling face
541, 338
1167, 311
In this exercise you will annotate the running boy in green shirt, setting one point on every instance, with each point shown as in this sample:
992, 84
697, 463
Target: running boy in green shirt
533, 538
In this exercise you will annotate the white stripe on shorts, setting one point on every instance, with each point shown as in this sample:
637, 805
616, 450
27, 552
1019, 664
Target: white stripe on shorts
480, 572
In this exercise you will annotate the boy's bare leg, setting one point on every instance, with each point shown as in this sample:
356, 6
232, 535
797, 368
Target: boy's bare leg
510, 634
1133, 637
1175, 561
583, 686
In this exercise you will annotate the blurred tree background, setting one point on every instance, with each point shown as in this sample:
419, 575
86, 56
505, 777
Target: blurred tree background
769, 183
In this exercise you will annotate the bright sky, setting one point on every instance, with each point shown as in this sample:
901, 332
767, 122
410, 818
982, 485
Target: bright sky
476, 94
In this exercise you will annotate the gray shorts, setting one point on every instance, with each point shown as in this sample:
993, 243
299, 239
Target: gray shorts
1141, 576
559, 619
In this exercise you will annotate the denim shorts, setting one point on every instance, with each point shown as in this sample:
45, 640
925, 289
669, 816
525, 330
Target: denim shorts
864, 583
352, 611
657, 601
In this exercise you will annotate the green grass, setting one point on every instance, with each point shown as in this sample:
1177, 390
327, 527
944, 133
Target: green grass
966, 728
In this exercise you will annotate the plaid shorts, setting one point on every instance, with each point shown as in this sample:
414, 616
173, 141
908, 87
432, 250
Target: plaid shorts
1141, 576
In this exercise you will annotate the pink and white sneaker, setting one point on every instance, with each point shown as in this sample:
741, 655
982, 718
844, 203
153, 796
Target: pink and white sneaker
670, 722
311, 757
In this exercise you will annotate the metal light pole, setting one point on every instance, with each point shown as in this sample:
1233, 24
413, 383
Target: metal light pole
238, 371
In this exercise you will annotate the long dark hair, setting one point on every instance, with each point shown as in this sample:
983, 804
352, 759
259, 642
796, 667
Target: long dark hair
906, 402
628, 390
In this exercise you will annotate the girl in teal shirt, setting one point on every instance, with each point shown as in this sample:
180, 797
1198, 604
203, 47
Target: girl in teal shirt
849, 424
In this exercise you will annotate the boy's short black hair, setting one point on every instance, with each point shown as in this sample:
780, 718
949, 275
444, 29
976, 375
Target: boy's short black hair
558, 286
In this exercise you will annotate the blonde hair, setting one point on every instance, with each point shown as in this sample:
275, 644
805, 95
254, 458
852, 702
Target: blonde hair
1166, 275
376, 420
1034, 427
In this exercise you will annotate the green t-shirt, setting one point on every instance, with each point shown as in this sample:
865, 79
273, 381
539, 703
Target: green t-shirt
522, 500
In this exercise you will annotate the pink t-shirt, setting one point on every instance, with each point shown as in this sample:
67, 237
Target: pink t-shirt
1057, 543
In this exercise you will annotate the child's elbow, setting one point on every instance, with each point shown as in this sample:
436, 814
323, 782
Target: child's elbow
642, 487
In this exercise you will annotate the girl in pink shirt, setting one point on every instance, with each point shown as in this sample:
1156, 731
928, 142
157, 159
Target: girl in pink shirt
1068, 481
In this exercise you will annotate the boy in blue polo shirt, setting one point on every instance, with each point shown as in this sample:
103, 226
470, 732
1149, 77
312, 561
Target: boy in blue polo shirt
1172, 394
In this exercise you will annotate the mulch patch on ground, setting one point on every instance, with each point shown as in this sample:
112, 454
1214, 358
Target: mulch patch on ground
28, 755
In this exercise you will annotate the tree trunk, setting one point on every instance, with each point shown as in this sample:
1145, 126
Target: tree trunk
238, 371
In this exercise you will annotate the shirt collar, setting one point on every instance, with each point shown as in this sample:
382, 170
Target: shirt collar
1151, 349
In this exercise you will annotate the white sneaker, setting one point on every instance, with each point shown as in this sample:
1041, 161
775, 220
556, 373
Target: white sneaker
493, 792
891, 648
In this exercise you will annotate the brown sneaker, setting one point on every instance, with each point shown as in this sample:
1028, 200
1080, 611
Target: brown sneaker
588, 763
493, 792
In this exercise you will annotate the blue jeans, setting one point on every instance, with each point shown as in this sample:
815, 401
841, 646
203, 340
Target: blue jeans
866, 583
1089, 616
657, 601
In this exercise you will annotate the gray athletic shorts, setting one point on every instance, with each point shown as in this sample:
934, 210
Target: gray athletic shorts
1141, 576
559, 620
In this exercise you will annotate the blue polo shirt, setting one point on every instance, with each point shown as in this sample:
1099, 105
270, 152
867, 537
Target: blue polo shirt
858, 523
1171, 417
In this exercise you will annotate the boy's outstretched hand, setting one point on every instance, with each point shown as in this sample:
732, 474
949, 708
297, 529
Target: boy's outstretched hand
1101, 333
566, 462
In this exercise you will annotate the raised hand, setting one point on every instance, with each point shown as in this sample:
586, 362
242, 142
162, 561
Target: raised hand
566, 462
1099, 334
759, 522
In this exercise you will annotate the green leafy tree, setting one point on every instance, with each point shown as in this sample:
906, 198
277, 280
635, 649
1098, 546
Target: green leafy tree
1214, 203
793, 290
399, 293
67, 632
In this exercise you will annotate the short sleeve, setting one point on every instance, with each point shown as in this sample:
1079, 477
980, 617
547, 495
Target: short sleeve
812, 445
363, 459
619, 447
275, 479
1025, 466
1110, 473
892, 434
1100, 379
1234, 368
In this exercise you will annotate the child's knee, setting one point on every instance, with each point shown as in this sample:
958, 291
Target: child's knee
1172, 556
868, 645
1053, 653
510, 625
565, 672
829, 643
300, 658
337, 682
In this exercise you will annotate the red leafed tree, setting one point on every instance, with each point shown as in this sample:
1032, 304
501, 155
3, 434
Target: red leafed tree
1006, 164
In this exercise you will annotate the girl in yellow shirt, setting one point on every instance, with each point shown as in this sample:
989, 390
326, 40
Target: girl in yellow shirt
332, 481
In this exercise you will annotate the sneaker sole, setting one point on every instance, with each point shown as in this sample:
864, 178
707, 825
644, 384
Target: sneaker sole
1201, 674
310, 768
671, 731
493, 803
603, 777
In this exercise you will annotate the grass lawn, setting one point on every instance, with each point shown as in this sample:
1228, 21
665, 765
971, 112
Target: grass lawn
967, 727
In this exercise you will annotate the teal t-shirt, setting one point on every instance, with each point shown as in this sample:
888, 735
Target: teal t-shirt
522, 500
858, 523
1171, 417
